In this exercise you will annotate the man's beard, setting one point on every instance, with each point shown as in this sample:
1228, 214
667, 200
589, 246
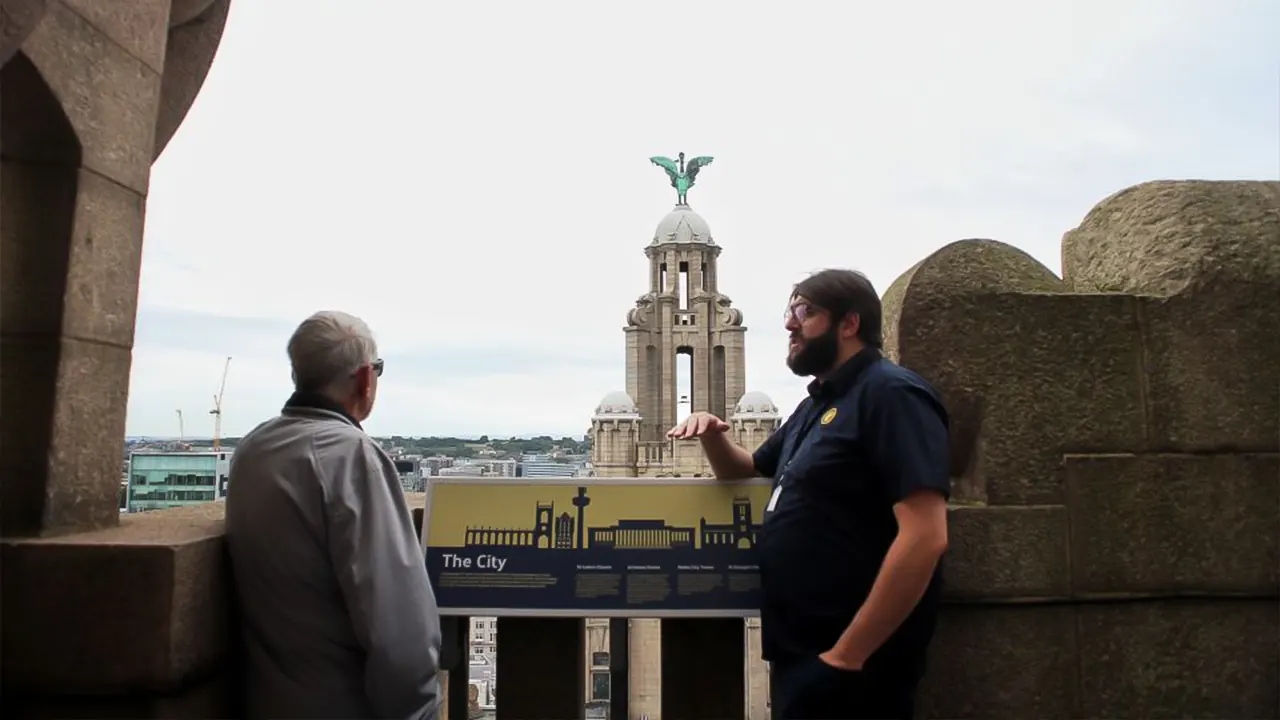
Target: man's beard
816, 355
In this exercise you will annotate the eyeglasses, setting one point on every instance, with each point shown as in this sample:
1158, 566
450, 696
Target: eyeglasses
800, 312
377, 367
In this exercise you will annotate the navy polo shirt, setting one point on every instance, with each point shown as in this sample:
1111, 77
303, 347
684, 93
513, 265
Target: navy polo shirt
864, 439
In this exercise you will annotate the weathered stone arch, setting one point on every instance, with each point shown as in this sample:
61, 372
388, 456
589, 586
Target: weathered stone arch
195, 30
39, 178
92, 90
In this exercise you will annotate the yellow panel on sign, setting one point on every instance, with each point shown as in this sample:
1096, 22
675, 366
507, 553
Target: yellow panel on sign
512, 504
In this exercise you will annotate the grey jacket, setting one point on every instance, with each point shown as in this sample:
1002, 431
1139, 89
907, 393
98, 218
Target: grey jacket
339, 618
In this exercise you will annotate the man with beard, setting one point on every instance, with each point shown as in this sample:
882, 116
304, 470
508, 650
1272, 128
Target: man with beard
855, 530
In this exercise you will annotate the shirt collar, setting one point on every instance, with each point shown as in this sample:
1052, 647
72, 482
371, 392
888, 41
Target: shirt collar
843, 378
318, 401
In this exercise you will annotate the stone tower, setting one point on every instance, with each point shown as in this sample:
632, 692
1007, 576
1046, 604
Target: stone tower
683, 313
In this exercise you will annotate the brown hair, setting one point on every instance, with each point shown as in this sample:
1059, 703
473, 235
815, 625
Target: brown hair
841, 292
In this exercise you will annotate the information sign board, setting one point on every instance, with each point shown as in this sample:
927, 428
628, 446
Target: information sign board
594, 547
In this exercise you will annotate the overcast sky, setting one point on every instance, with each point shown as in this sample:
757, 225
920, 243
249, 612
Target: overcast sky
472, 178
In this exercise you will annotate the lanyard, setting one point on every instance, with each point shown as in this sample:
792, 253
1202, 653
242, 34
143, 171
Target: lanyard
802, 437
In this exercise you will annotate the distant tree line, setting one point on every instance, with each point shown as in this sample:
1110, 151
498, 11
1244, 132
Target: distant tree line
464, 447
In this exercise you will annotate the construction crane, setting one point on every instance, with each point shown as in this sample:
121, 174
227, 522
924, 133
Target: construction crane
216, 412
182, 433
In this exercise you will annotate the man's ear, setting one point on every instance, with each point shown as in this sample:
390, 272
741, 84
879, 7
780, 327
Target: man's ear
364, 381
850, 325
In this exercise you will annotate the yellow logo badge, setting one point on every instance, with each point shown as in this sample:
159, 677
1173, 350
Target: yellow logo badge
828, 416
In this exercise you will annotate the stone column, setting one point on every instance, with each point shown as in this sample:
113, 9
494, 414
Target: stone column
645, 691
443, 713
757, 674
75, 170
86, 105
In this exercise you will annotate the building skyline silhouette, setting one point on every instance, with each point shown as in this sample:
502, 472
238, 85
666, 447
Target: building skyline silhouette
646, 533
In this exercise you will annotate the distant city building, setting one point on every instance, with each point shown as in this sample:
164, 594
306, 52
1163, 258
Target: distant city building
164, 480
411, 472
543, 466
599, 686
482, 690
484, 639
437, 462
494, 468
473, 467
458, 471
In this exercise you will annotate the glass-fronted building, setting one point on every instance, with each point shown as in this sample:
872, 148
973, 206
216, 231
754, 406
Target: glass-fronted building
543, 466
164, 480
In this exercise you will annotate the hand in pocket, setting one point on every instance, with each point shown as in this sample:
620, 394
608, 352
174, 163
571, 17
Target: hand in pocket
823, 692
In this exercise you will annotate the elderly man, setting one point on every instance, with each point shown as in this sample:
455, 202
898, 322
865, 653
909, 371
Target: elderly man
339, 618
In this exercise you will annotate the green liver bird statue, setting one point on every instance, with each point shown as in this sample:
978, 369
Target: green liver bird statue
682, 175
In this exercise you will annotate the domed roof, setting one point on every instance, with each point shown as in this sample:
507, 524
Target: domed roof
617, 403
755, 404
683, 225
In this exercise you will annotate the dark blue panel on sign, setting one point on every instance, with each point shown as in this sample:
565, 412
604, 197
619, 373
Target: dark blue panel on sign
595, 581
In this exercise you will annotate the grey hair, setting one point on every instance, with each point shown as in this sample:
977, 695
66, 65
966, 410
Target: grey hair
327, 347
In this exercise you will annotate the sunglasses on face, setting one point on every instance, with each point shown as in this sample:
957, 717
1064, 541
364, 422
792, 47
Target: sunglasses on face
377, 367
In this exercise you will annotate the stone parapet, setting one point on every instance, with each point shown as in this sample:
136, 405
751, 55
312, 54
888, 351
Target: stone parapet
1213, 658
133, 619
1135, 526
1043, 620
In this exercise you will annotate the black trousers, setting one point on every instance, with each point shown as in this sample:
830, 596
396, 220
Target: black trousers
809, 689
